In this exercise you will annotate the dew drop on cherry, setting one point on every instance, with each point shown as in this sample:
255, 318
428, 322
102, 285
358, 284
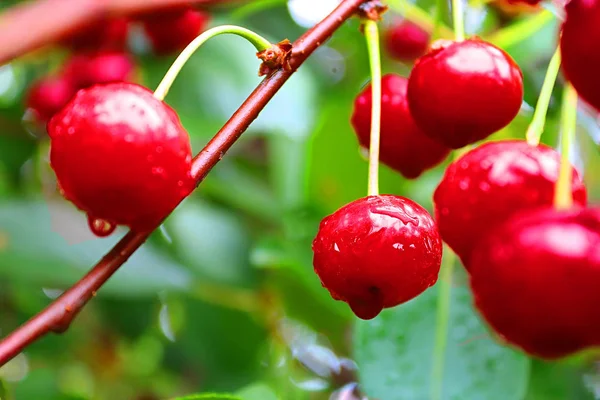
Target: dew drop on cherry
100, 227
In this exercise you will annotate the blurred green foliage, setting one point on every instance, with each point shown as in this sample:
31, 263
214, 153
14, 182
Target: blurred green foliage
223, 298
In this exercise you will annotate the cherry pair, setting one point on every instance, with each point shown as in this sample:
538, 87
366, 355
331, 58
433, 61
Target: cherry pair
457, 94
169, 30
533, 269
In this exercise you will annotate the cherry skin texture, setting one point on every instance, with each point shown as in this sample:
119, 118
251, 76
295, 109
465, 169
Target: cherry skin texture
403, 147
48, 95
462, 92
109, 34
121, 155
535, 281
171, 30
578, 44
87, 69
406, 41
487, 185
377, 252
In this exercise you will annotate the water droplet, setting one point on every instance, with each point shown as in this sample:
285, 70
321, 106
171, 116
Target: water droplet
129, 138
464, 165
484, 186
100, 227
398, 246
159, 149
445, 211
159, 171
71, 130
150, 158
464, 184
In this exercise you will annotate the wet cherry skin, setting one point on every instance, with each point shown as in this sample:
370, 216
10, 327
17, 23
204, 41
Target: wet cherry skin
87, 69
462, 92
580, 34
406, 41
107, 34
535, 281
48, 95
172, 29
487, 185
377, 252
121, 155
403, 147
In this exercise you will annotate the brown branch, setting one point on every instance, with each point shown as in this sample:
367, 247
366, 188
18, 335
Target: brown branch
32, 25
58, 315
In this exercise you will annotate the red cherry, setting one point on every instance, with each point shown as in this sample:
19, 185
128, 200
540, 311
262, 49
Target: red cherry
489, 184
171, 30
406, 41
581, 34
48, 95
377, 252
121, 155
535, 281
462, 92
105, 34
404, 147
87, 69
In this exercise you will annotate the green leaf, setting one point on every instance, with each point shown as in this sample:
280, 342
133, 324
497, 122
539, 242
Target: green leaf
212, 241
395, 354
257, 391
49, 244
209, 396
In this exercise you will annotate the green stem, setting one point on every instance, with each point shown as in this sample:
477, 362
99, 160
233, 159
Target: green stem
536, 128
516, 33
563, 198
442, 323
458, 19
258, 41
440, 7
420, 17
254, 7
372, 35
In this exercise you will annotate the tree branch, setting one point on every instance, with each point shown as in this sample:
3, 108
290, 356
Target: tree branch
58, 315
29, 26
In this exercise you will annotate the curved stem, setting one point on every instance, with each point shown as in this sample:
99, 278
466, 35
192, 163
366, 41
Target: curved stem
372, 35
258, 41
442, 323
458, 19
536, 128
563, 197
516, 33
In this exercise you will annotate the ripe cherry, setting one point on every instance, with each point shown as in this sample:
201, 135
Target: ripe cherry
377, 252
121, 155
87, 69
172, 29
535, 281
580, 33
487, 185
404, 147
461, 92
107, 34
48, 95
406, 41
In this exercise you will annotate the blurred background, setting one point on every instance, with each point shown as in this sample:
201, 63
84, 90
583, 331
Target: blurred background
223, 297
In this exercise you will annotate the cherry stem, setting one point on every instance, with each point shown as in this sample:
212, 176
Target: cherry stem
420, 17
516, 33
372, 35
563, 196
458, 19
536, 128
442, 323
258, 41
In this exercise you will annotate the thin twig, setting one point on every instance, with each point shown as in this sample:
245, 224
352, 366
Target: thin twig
58, 315
31, 25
